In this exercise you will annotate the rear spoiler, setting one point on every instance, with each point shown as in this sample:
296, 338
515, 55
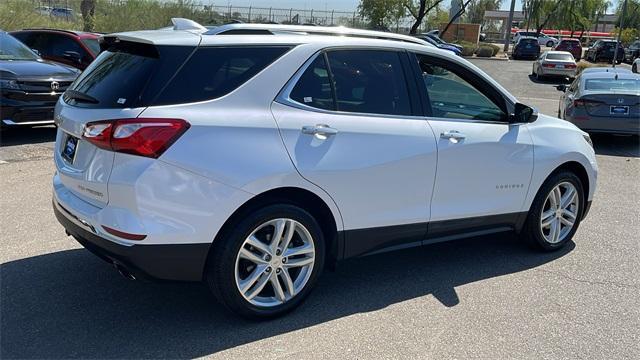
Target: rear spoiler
115, 44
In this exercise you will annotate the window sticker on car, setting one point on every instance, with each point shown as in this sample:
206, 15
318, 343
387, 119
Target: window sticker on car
121, 101
307, 99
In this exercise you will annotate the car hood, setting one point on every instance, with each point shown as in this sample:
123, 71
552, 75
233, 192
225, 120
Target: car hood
36, 69
449, 47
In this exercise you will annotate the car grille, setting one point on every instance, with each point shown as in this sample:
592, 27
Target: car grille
28, 115
43, 86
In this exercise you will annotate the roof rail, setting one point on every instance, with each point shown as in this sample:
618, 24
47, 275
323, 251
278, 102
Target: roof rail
275, 29
186, 24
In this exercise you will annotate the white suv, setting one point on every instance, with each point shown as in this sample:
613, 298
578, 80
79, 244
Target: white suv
250, 159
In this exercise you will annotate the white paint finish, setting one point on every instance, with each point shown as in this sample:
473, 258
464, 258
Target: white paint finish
379, 170
486, 173
558, 142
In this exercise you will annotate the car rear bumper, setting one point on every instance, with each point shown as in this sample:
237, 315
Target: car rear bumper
177, 262
558, 72
606, 125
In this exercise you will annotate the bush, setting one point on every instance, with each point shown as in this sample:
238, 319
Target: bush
468, 49
484, 51
495, 48
585, 65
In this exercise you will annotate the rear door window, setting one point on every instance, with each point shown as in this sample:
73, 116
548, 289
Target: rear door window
314, 86
369, 81
212, 72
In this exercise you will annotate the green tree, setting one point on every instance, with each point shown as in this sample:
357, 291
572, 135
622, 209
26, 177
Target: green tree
419, 9
381, 14
475, 11
88, 10
632, 18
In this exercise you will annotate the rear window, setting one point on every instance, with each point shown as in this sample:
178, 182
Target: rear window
613, 84
528, 41
565, 57
136, 75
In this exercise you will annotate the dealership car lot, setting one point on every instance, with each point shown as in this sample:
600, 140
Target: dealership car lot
483, 297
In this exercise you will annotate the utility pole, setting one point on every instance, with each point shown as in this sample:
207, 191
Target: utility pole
624, 13
507, 39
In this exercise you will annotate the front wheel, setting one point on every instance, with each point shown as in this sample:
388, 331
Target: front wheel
268, 263
556, 212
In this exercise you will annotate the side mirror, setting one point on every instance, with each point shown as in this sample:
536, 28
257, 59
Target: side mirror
523, 114
73, 55
562, 87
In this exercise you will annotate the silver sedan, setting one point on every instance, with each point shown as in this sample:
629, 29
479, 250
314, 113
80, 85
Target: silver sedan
554, 63
605, 101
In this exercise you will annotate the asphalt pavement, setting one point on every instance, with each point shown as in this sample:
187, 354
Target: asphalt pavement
488, 297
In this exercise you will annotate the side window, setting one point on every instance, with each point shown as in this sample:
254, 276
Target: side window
369, 81
453, 97
61, 44
314, 86
212, 72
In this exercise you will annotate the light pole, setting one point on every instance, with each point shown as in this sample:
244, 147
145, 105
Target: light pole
507, 39
624, 13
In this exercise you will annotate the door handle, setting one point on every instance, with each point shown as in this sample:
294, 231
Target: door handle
453, 134
321, 130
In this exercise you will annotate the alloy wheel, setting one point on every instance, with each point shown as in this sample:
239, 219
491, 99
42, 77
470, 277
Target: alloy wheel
274, 262
559, 212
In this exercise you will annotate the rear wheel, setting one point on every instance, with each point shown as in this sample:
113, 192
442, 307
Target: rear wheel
268, 263
556, 212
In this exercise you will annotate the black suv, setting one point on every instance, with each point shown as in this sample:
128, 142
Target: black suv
604, 50
632, 52
29, 86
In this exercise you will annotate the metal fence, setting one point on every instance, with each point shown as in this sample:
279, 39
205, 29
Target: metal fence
151, 11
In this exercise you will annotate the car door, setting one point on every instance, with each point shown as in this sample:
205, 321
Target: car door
485, 163
349, 120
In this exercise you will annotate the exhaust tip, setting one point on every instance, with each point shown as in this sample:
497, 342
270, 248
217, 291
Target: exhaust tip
124, 272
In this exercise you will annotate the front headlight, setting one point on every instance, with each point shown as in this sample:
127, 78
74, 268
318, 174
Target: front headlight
6, 84
587, 138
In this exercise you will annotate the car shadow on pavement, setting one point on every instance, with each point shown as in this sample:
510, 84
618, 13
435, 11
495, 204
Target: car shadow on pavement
616, 145
27, 135
69, 304
550, 80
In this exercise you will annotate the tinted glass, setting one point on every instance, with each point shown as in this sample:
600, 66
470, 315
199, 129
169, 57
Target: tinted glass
216, 71
528, 41
613, 85
369, 81
565, 57
92, 44
116, 79
12, 49
453, 97
314, 86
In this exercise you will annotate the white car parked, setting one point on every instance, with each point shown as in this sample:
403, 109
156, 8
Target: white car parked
554, 63
250, 159
543, 39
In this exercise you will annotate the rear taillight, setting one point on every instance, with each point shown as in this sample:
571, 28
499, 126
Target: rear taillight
570, 66
549, 65
586, 102
144, 137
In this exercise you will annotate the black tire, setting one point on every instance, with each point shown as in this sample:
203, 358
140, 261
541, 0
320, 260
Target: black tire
220, 271
532, 233
634, 68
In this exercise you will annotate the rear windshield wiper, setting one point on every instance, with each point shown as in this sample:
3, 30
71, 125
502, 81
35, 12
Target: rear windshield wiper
80, 96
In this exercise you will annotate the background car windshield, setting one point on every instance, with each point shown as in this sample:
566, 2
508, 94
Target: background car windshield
12, 49
613, 84
566, 57
93, 45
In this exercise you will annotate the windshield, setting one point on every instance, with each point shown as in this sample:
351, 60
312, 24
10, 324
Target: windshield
566, 57
436, 39
613, 84
93, 45
12, 49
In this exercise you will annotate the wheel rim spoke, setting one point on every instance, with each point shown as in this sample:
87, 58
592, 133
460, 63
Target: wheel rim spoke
299, 262
263, 279
246, 254
288, 282
290, 230
277, 288
253, 241
280, 224
301, 250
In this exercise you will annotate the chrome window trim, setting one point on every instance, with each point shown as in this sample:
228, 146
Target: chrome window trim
284, 97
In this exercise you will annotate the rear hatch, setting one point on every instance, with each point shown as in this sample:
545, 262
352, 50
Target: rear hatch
613, 105
119, 84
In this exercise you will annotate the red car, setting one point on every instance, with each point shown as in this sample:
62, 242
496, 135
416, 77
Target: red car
73, 48
571, 45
